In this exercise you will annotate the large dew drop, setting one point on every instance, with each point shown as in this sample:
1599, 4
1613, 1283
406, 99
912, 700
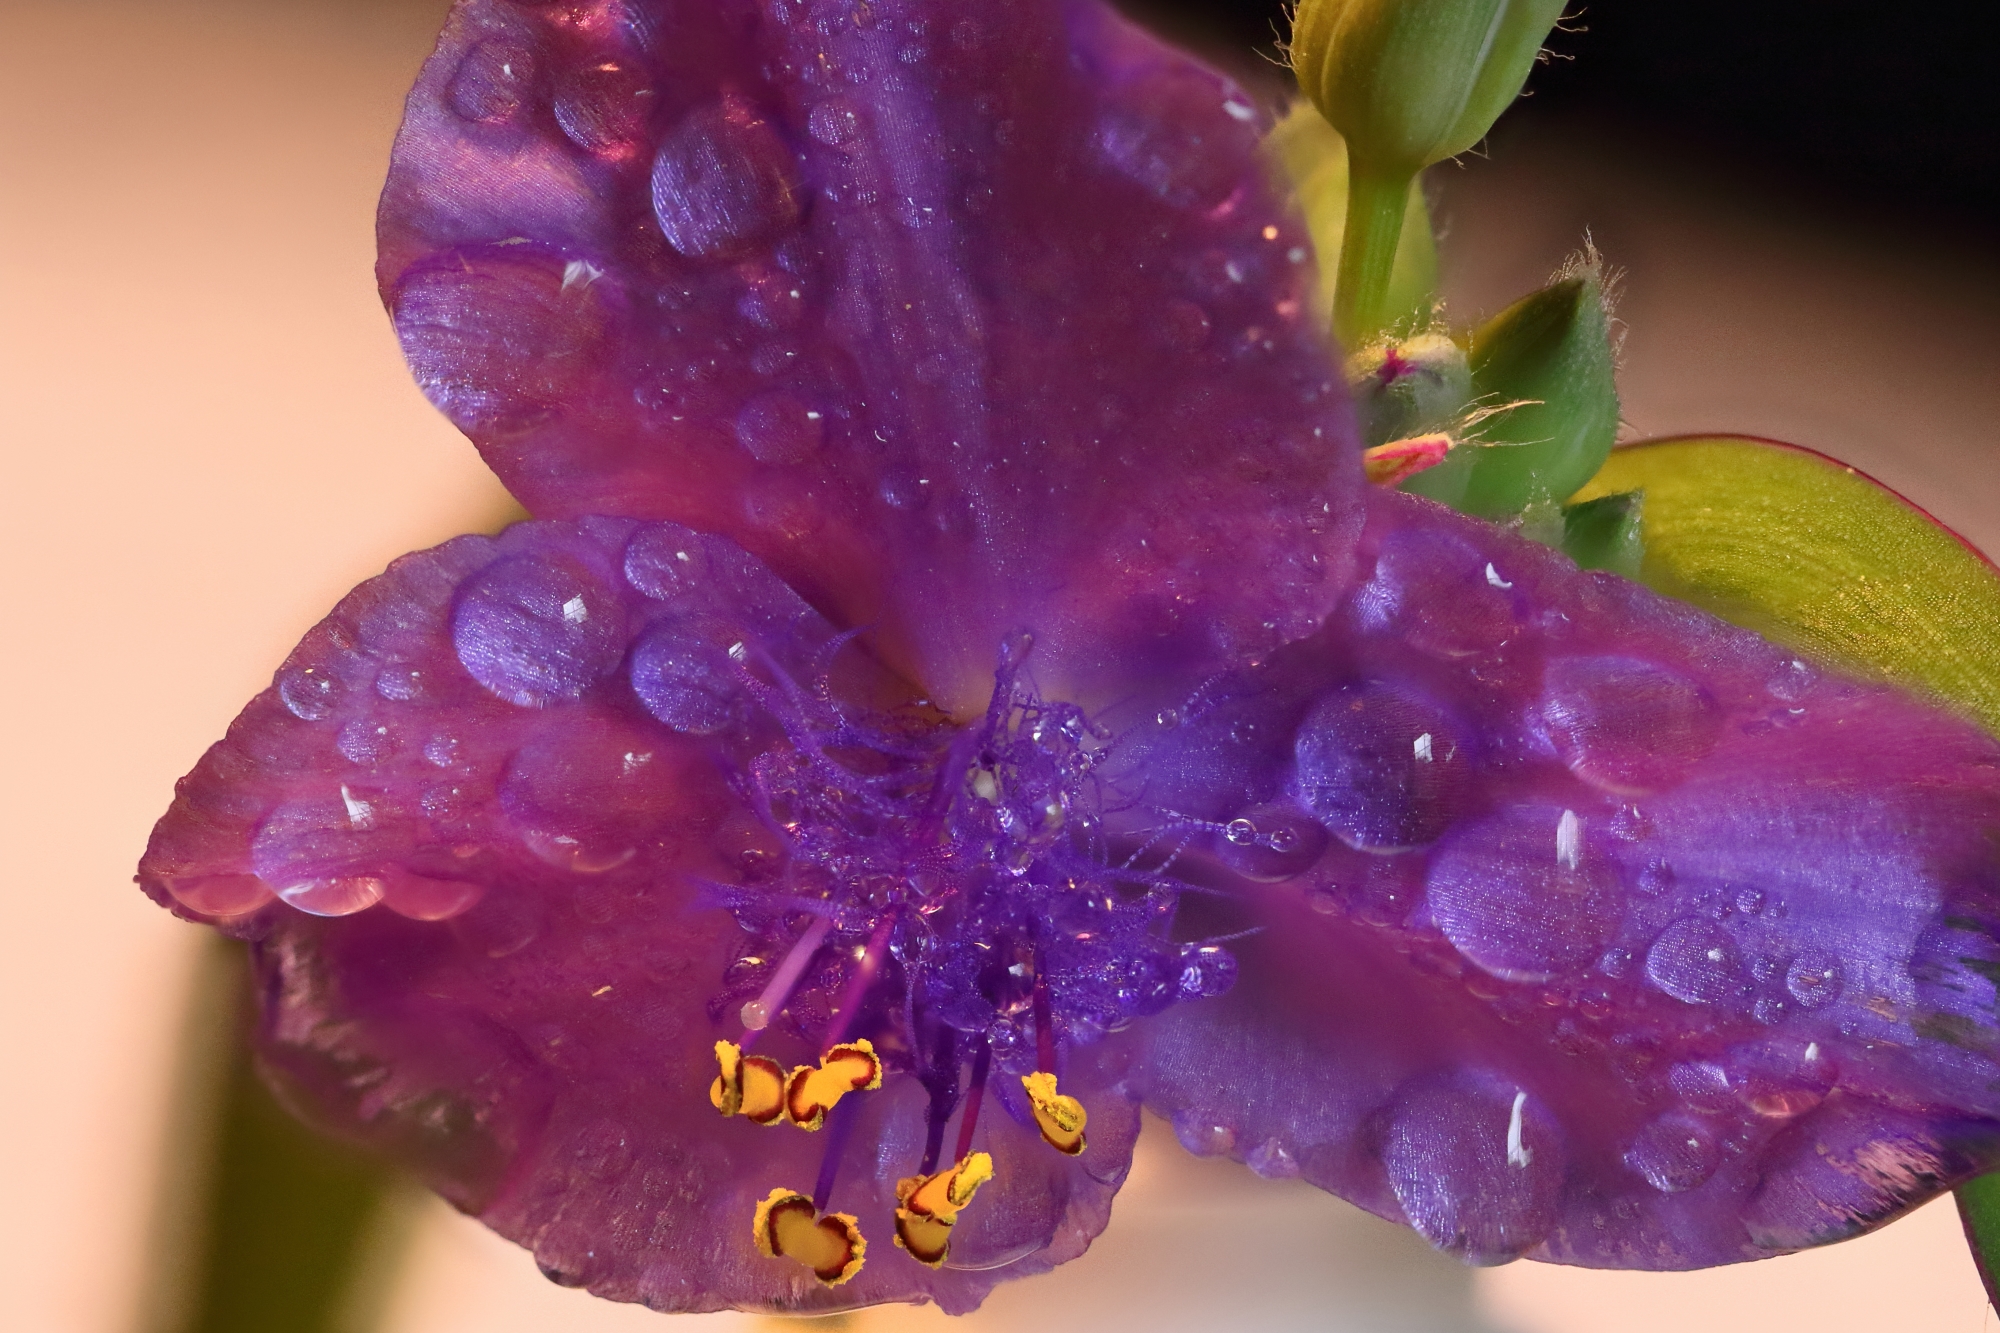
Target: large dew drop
1476, 1164
724, 183
500, 339
538, 629
1625, 725
685, 679
1525, 894
1381, 768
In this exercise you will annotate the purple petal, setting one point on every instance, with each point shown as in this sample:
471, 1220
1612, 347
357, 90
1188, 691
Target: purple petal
482, 830
960, 320
1692, 962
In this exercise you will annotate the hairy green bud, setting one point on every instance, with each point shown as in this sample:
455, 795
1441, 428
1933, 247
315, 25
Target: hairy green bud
1546, 369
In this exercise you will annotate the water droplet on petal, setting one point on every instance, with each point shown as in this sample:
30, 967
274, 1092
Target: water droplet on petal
1623, 724
493, 81
1815, 979
1674, 1153
779, 428
308, 693
536, 629
341, 896
1476, 1165
495, 336
1381, 768
220, 895
833, 123
1506, 901
1206, 970
1791, 680
1161, 135
1272, 843
685, 679
366, 741
605, 106
1203, 1133
1272, 1160
724, 182
1695, 960
421, 898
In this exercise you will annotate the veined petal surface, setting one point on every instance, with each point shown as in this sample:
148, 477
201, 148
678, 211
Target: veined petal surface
958, 317
1693, 962
501, 834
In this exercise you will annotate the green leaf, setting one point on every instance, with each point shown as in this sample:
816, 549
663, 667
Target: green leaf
1825, 559
1819, 557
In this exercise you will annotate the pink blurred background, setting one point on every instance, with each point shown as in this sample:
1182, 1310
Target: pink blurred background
210, 437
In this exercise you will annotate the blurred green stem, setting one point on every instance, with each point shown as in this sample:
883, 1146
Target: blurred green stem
288, 1232
1376, 202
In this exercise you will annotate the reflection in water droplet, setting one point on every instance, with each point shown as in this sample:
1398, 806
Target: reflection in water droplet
724, 182
1815, 979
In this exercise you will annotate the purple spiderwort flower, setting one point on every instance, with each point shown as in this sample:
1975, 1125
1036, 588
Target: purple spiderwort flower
956, 636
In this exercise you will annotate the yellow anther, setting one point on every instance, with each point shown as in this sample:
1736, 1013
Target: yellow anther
1061, 1119
748, 1085
787, 1225
810, 1093
930, 1206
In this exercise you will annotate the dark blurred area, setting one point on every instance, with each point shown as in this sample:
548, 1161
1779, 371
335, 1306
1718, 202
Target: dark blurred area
1858, 107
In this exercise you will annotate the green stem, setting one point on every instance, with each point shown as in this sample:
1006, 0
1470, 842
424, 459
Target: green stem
1376, 201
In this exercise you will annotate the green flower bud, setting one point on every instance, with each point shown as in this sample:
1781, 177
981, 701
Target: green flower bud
1606, 533
1412, 82
1405, 387
1546, 369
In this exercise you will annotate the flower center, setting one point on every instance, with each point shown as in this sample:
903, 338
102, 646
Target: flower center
945, 897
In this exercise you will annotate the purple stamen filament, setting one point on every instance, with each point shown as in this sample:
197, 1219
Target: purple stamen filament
982, 1063
1045, 1028
858, 984
758, 1013
839, 1125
